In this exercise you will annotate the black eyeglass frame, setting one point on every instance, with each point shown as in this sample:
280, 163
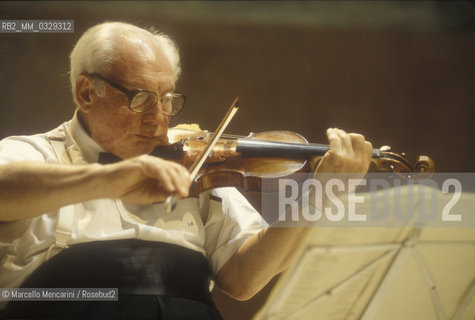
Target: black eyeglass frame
132, 93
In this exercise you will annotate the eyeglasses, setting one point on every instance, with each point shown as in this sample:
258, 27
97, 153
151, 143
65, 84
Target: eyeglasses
141, 100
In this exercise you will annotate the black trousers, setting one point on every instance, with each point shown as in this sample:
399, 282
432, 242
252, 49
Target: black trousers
155, 281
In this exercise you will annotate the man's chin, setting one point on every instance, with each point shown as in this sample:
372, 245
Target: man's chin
140, 145
136, 151
145, 150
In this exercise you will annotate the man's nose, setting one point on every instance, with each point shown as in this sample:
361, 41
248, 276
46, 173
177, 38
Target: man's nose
155, 115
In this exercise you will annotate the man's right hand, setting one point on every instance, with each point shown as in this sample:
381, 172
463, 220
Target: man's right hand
147, 179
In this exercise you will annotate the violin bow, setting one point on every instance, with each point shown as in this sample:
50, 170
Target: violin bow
170, 202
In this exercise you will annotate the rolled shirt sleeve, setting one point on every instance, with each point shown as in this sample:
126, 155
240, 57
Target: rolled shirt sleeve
231, 221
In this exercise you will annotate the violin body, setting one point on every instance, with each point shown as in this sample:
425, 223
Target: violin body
227, 166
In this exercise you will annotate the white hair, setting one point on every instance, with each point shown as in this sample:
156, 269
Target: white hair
98, 47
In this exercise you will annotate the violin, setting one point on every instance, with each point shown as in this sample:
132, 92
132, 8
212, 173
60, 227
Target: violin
251, 163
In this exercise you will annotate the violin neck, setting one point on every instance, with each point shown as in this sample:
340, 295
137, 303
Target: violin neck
261, 148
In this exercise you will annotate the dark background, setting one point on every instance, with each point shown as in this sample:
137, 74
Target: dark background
401, 73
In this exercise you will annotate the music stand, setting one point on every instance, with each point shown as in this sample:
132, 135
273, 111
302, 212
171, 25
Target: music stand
406, 272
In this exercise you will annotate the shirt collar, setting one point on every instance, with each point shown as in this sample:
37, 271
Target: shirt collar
89, 148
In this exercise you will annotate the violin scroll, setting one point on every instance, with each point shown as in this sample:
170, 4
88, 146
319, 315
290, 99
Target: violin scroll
394, 163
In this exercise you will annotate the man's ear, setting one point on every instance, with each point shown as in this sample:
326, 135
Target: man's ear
84, 92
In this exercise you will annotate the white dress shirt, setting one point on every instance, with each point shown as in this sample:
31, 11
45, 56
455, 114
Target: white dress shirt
216, 223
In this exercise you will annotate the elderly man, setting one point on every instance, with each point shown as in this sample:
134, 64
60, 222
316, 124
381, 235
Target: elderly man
68, 221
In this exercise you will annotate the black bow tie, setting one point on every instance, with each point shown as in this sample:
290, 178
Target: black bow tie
106, 158
171, 151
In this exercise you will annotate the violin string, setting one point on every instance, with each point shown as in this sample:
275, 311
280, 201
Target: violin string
230, 136
236, 136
